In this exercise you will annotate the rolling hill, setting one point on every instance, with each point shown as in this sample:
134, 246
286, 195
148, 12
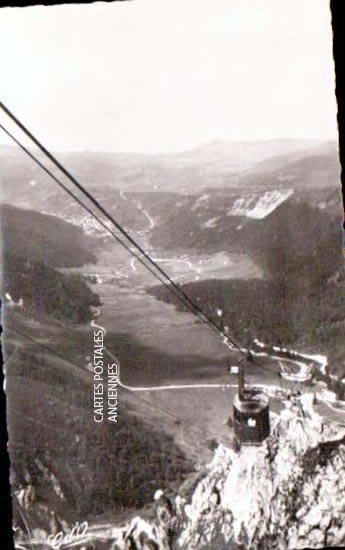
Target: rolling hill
34, 246
45, 238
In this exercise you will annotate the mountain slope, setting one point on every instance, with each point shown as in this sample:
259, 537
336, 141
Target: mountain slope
45, 238
285, 495
37, 289
283, 231
62, 463
34, 245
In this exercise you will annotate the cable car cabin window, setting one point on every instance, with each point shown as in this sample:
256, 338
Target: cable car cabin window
251, 420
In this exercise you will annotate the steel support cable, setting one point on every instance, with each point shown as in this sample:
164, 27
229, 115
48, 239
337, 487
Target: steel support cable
60, 356
101, 222
196, 310
81, 188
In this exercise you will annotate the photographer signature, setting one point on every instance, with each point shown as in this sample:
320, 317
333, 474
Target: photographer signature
77, 532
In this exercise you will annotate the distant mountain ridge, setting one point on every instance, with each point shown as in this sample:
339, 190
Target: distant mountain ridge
215, 163
168, 186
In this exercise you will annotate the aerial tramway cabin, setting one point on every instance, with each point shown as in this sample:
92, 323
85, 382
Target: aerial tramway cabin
250, 413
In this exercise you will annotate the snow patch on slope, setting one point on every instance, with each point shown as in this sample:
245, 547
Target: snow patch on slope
199, 202
259, 207
210, 223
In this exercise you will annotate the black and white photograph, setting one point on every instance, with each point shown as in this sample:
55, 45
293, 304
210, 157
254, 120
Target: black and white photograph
172, 275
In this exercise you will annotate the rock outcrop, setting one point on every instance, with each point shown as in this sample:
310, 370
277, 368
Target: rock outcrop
287, 493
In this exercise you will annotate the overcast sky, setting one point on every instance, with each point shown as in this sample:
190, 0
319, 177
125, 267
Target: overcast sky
169, 75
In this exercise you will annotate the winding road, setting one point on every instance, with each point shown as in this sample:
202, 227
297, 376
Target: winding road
140, 207
268, 388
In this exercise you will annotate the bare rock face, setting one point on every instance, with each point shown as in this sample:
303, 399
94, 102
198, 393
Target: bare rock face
289, 493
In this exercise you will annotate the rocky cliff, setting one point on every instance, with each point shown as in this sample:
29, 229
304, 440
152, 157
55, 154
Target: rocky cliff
286, 494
